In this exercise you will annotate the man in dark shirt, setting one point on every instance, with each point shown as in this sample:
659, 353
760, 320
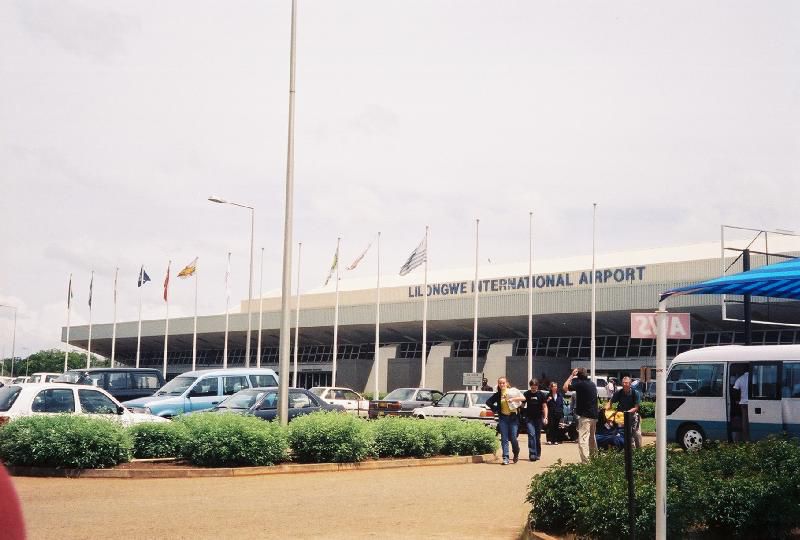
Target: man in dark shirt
628, 400
535, 417
585, 409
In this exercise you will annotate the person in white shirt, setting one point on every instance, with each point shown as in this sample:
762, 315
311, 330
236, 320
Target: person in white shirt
742, 384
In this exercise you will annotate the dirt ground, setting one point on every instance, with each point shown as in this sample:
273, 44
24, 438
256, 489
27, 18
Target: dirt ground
453, 501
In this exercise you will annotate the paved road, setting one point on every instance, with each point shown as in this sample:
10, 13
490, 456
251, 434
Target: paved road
453, 501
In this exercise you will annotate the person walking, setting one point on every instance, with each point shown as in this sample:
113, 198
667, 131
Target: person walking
535, 418
628, 400
555, 412
505, 403
585, 409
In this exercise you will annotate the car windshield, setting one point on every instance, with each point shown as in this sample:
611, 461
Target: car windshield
481, 398
8, 395
401, 394
176, 386
242, 400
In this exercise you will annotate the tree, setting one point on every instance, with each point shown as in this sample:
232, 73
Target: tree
51, 361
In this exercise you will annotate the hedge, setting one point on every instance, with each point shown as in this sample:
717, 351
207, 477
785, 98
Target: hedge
647, 409
330, 437
157, 439
407, 437
64, 441
467, 438
725, 490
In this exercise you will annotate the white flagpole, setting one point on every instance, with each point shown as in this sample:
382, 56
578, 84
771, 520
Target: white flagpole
594, 288
336, 317
297, 315
166, 319
260, 310
89, 346
194, 334
114, 328
530, 295
475, 309
139, 332
424, 314
69, 310
227, 314
377, 319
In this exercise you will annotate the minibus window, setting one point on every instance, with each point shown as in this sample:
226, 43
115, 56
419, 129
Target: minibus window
764, 381
791, 380
700, 380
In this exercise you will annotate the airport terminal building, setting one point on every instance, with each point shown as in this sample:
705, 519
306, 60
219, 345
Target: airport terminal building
625, 283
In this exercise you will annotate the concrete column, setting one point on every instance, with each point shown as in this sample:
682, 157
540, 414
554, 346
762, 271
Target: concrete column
384, 353
435, 365
495, 366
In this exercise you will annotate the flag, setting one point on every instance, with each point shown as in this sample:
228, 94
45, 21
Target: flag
166, 282
91, 283
417, 257
227, 279
334, 264
69, 292
190, 269
143, 277
358, 259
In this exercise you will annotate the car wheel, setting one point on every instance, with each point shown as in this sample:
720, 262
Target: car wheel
691, 437
421, 416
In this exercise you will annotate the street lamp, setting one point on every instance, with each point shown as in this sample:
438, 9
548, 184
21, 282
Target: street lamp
250, 286
13, 335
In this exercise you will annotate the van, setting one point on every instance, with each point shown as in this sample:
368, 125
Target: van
122, 383
199, 390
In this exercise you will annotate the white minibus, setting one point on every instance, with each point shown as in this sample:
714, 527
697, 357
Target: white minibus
701, 401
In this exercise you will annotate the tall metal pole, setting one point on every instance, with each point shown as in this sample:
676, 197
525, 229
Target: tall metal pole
69, 310
13, 337
336, 318
297, 316
194, 332
89, 346
424, 314
139, 331
227, 313
530, 295
376, 359
286, 281
114, 328
260, 310
475, 308
594, 291
166, 318
661, 421
250, 290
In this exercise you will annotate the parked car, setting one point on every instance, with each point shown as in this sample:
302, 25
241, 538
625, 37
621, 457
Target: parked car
42, 377
21, 380
5, 380
466, 405
349, 399
122, 383
198, 390
263, 403
19, 400
403, 401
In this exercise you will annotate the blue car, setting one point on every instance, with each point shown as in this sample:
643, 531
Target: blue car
263, 403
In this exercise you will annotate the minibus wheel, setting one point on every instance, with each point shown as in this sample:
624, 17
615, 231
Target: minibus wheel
691, 437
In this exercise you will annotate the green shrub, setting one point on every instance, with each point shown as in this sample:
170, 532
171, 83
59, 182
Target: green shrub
64, 441
739, 491
407, 437
467, 438
330, 437
157, 439
647, 409
371, 395
231, 440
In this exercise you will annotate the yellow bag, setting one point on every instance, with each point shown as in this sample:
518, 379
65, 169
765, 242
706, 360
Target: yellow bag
618, 417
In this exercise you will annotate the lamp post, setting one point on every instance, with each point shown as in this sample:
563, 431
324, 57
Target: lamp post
250, 284
13, 335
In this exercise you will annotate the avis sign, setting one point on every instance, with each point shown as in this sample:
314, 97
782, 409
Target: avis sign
643, 326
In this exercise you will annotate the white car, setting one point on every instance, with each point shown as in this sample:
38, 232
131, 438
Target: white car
18, 400
351, 400
44, 377
464, 404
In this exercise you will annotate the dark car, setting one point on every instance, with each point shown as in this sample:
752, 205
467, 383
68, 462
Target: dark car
263, 403
403, 401
122, 383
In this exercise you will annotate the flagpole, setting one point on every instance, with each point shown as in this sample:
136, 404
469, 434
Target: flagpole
69, 310
530, 295
227, 313
594, 288
166, 318
297, 315
475, 309
139, 332
336, 317
424, 314
260, 310
114, 328
376, 369
89, 346
194, 334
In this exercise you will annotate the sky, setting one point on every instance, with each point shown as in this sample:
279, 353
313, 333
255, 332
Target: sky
119, 119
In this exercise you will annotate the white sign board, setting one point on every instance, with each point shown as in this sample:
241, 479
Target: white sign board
643, 326
473, 379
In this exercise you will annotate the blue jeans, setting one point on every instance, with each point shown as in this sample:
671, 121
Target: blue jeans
534, 438
509, 428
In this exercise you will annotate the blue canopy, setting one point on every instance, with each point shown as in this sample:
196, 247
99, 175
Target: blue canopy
779, 280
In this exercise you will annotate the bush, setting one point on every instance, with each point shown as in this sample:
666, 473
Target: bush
64, 441
157, 439
740, 491
230, 440
647, 409
330, 437
467, 438
407, 437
